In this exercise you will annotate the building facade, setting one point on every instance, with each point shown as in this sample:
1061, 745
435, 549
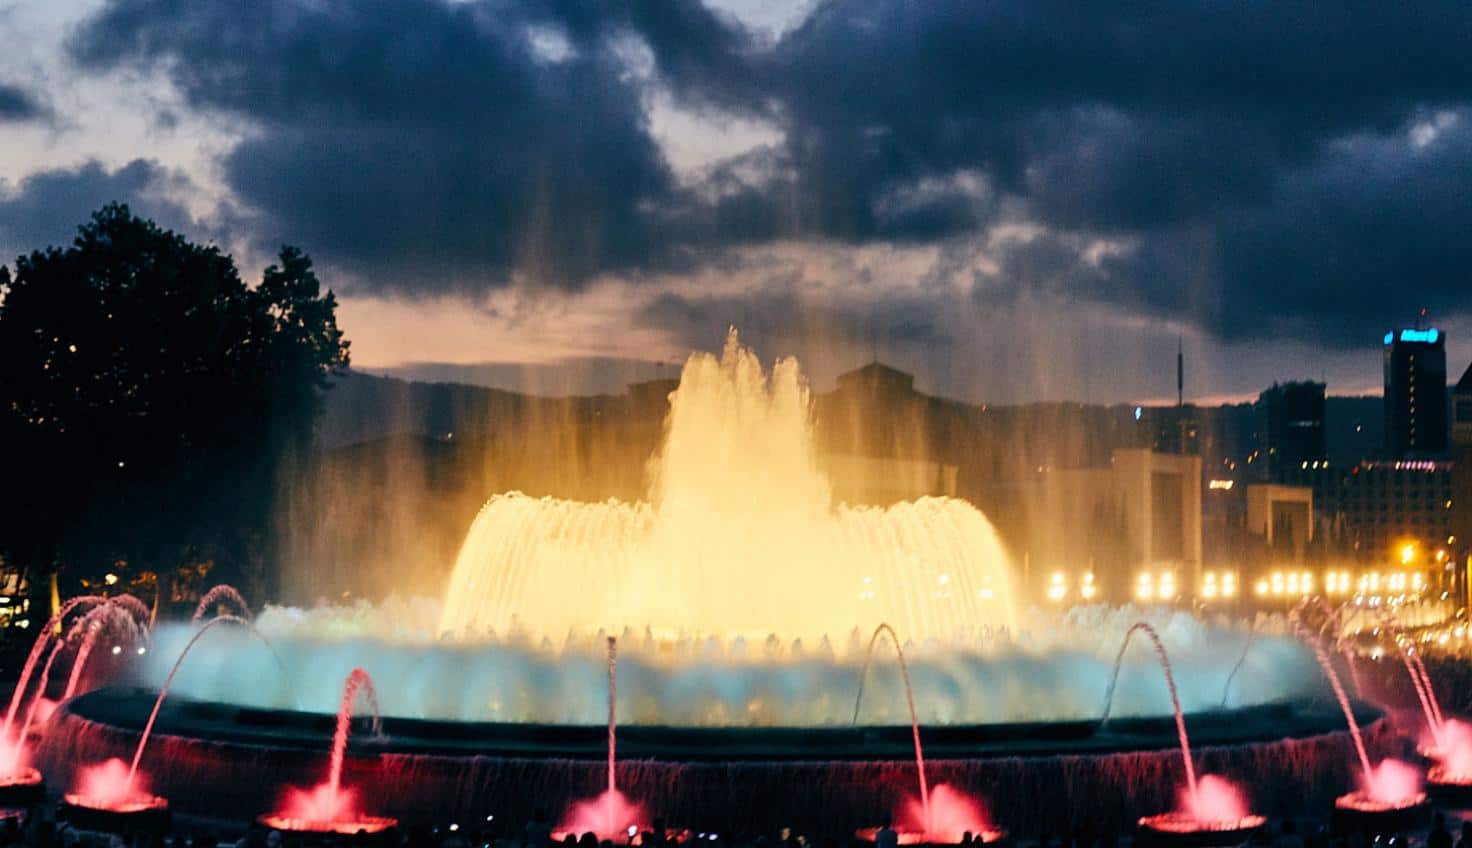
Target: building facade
1415, 394
1290, 427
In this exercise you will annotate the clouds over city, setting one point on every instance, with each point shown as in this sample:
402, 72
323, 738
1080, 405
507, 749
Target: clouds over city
919, 174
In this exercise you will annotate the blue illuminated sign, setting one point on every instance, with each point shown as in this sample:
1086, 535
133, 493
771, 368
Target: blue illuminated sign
1389, 337
1138, 413
1428, 336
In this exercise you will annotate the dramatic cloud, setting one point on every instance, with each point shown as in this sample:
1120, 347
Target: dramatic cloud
1248, 170
17, 104
46, 207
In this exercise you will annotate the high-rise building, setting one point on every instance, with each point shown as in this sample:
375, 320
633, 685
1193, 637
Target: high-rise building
1290, 427
1415, 393
1461, 498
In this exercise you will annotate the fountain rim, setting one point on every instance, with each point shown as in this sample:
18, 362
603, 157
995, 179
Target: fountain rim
121, 709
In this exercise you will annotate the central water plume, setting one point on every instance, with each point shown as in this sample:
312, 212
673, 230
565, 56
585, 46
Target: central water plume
739, 536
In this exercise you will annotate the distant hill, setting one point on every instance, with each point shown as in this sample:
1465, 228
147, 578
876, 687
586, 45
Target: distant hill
365, 408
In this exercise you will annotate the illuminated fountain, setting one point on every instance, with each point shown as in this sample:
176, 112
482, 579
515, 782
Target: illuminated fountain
740, 594
20, 783
611, 815
932, 817
328, 807
1210, 811
109, 796
1389, 798
218, 595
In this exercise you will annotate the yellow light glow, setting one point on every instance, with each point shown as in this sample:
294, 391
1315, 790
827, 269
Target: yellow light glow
1262, 587
737, 534
1407, 553
110, 579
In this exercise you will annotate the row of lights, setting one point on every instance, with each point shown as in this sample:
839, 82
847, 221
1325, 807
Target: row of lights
1281, 583
1219, 584
1155, 587
1058, 586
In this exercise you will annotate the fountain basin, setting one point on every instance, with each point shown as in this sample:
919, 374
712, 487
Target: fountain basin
1449, 790
146, 814
364, 825
1178, 830
227, 761
1358, 812
24, 788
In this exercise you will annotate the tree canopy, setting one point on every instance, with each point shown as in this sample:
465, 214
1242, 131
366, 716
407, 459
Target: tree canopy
152, 400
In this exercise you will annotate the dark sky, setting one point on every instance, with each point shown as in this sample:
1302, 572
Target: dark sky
1015, 198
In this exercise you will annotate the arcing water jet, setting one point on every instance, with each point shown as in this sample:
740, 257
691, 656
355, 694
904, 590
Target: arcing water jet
327, 807
89, 794
1212, 803
96, 619
215, 596
947, 813
1392, 785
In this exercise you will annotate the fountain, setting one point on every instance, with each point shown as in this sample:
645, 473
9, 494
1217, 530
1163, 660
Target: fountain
1212, 810
218, 595
929, 818
20, 783
109, 798
611, 815
1389, 799
328, 807
740, 593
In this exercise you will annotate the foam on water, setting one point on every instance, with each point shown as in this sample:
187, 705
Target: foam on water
1055, 667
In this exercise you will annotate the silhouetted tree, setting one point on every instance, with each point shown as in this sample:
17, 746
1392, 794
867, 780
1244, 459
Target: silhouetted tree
149, 398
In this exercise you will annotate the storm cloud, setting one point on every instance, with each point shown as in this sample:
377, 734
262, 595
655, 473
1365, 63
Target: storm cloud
1251, 169
46, 207
17, 104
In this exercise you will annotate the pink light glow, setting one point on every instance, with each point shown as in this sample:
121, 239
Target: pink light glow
14, 757
1392, 782
610, 816
1217, 801
952, 813
1454, 749
106, 786
44, 708
322, 803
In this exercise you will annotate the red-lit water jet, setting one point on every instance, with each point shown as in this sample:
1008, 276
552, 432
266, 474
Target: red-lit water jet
328, 807
218, 595
109, 614
112, 785
1390, 788
112, 800
933, 816
1208, 807
109, 796
610, 815
48, 631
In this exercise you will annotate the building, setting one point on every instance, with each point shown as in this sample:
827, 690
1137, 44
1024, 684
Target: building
1282, 516
1376, 509
1461, 512
1130, 530
1290, 427
1415, 394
